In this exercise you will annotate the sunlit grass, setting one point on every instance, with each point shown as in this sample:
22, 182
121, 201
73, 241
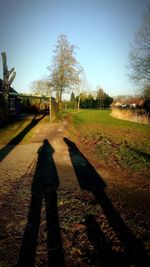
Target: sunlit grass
113, 140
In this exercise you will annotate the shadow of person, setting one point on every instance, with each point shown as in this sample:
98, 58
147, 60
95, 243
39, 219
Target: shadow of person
44, 188
90, 180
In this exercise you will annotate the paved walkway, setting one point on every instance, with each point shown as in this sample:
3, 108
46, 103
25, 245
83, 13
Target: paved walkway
20, 159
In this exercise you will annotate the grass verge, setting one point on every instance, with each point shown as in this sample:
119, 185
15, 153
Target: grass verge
114, 141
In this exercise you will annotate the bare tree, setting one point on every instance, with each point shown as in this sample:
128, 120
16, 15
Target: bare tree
81, 88
139, 58
41, 87
8, 77
65, 69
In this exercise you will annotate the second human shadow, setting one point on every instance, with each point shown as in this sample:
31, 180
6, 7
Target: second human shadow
89, 179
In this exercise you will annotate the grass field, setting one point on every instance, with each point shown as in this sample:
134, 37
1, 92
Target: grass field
115, 141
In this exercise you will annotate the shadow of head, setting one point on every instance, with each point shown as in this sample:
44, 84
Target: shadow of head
46, 142
46, 176
46, 149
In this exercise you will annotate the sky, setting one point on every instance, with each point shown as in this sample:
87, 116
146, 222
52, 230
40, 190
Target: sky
103, 31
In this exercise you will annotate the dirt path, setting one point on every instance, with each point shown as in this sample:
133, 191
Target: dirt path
58, 210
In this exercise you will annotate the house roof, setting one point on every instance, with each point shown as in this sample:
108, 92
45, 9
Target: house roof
11, 90
117, 104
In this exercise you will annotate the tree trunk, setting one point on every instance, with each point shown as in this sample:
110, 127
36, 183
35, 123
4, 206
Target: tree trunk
8, 77
79, 102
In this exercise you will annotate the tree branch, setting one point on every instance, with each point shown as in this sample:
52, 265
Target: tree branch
12, 78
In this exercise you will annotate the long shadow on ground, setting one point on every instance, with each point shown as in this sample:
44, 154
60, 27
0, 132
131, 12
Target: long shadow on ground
44, 188
134, 253
17, 139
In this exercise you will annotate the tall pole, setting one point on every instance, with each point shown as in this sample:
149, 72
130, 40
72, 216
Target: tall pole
50, 109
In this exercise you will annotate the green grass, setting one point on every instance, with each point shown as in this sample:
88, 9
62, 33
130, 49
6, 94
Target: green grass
113, 140
103, 117
63, 113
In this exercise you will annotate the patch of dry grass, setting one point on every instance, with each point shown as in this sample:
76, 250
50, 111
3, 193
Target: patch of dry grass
130, 115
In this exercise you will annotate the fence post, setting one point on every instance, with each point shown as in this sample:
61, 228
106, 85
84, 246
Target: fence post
50, 109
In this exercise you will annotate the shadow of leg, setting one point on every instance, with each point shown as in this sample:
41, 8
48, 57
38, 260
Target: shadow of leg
103, 255
29, 242
54, 243
134, 249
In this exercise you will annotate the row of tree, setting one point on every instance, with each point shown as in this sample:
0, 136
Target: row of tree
98, 99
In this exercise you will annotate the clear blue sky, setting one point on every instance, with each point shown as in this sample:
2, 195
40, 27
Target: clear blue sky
102, 29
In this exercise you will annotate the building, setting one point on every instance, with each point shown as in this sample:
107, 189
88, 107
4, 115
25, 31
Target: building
14, 103
27, 104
